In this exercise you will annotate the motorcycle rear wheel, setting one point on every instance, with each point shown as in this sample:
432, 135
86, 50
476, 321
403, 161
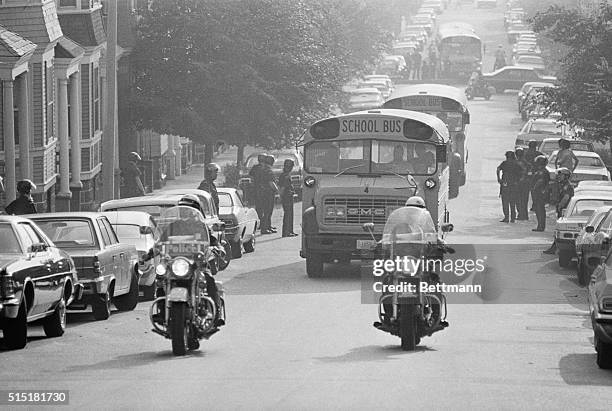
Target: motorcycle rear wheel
408, 327
178, 328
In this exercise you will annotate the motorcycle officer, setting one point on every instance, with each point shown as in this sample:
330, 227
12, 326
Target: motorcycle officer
189, 225
208, 184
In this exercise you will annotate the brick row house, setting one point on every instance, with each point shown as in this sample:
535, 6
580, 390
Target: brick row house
52, 74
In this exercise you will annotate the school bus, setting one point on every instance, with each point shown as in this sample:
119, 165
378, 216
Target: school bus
460, 49
358, 168
450, 105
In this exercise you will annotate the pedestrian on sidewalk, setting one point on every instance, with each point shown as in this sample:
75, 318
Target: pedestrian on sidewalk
211, 172
286, 193
255, 193
24, 204
524, 185
269, 189
539, 191
508, 176
530, 155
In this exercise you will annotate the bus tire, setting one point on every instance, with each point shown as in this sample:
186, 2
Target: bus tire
314, 265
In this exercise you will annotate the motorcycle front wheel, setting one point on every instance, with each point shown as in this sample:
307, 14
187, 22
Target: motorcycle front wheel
178, 328
408, 327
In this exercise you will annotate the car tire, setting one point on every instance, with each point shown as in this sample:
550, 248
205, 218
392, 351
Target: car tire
604, 354
101, 307
16, 329
249, 246
128, 302
236, 249
314, 265
564, 259
55, 325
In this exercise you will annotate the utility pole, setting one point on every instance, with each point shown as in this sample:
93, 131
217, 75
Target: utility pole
109, 139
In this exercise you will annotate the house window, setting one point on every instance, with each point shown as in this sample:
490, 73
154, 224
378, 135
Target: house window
97, 113
68, 3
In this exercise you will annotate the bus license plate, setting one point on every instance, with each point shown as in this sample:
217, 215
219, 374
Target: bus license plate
366, 244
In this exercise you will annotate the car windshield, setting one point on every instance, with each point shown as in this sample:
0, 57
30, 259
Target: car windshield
225, 200
8, 240
585, 208
589, 162
544, 128
371, 156
125, 231
68, 233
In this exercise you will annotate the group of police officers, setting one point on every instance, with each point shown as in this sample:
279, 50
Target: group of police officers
524, 172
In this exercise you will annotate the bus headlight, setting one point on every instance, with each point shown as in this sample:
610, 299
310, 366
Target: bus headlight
309, 181
430, 183
335, 211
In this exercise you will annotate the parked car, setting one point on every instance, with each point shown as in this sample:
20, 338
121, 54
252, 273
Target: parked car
107, 268
535, 62
575, 217
246, 183
590, 167
594, 243
600, 309
37, 281
381, 77
380, 85
140, 230
392, 66
530, 88
365, 99
550, 145
513, 78
587, 185
241, 221
539, 129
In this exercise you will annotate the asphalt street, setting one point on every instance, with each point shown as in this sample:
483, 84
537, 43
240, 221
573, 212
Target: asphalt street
297, 343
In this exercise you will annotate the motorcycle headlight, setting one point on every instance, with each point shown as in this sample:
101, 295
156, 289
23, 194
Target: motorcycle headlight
160, 269
180, 267
430, 183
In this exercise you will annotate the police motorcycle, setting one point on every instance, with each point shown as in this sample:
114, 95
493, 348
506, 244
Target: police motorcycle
184, 310
404, 309
476, 88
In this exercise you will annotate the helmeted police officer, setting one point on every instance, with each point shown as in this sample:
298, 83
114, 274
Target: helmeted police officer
211, 172
24, 203
539, 191
131, 174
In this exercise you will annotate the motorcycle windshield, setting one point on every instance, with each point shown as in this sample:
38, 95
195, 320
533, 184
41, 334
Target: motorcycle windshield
184, 231
408, 231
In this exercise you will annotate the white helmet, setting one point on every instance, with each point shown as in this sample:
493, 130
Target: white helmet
415, 201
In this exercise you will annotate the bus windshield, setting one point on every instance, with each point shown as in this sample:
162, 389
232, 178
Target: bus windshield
370, 156
457, 47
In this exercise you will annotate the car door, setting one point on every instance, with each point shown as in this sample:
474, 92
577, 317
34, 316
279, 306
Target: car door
111, 256
127, 254
242, 215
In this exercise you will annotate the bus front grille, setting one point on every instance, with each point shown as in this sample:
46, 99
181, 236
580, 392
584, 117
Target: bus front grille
350, 211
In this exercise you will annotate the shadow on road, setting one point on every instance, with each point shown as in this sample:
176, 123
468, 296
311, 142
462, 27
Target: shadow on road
373, 353
581, 369
133, 360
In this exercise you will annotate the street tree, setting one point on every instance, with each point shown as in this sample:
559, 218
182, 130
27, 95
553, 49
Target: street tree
249, 72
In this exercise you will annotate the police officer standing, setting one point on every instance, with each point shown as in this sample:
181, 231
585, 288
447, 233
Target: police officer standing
211, 172
539, 191
524, 185
24, 203
530, 155
508, 176
132, 174
286, 197
268, 191
256, 175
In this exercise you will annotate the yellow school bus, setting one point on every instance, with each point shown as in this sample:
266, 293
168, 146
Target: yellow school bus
358, 168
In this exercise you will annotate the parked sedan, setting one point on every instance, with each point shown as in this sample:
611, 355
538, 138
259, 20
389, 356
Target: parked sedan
365, 99
592, 242
513, 78
37, 281
590, 167
241, 221
535, 62
380, 85
550, 145
600, 309
107, 268
539, 129
140, 230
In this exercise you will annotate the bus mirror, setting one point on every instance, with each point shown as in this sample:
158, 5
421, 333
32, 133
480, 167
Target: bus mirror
441, 153
466, 118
